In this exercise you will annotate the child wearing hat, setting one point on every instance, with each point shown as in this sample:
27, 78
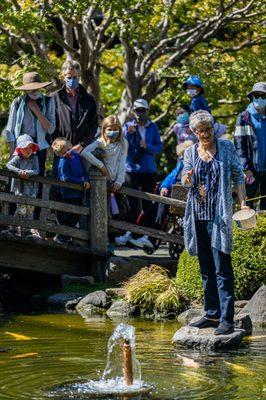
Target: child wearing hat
25, 164
195, 89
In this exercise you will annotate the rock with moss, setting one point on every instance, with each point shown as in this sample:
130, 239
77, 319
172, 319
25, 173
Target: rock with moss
248, 260
99, 298
121, 308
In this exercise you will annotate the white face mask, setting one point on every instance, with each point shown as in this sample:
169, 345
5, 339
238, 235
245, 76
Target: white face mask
35, 96
192, 92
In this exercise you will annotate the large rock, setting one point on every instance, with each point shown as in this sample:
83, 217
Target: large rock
243, 321
256, 307
240, 303
185, 317
121, 308
191, 337
98, 299
119, 269
59, 300
115, 292
88, 310
68, 280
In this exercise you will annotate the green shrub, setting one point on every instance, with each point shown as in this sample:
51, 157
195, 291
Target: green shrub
248, 259
152, 289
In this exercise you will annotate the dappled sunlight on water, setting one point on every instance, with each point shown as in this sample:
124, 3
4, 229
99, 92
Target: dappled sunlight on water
59, 348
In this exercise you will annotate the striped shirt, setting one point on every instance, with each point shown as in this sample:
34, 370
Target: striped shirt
205, 187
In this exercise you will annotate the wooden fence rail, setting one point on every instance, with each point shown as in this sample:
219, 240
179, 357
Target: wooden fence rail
99, 222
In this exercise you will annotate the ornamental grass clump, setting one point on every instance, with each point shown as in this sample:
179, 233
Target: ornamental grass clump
152, 289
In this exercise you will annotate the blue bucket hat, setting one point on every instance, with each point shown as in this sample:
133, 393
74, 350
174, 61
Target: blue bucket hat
193, 80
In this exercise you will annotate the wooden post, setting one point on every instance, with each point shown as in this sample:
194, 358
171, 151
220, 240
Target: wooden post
128, 369
98, 226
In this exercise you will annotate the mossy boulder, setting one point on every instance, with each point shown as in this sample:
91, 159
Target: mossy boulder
248, 260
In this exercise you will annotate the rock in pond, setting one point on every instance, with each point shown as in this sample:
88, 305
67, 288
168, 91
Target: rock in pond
121, 308
191, 337
115, 292
185, 317
87, 310
59, 300
98, 299
68, 280
256, 307
243, 321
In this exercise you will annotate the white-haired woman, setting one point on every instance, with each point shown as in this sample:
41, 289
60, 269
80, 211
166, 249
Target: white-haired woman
210, 168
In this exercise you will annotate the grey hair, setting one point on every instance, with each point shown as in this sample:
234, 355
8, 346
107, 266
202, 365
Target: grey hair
70, 64
200, 117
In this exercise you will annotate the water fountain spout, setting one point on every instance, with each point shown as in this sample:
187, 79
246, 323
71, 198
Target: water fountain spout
128, 369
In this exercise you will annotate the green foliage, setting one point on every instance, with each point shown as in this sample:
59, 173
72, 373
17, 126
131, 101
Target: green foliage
86, 289
152, 289
248, 260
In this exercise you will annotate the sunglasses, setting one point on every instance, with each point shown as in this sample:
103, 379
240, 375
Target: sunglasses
258, 95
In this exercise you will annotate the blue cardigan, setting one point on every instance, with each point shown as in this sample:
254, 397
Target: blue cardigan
147, 161
230, 172
199, 102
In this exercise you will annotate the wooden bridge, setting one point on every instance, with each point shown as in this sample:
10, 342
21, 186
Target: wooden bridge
90, 257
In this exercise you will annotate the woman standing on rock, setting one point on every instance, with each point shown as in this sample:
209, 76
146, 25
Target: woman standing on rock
210, 168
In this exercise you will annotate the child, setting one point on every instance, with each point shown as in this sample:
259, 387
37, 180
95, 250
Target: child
181, 128
25, 164
155, 216
195, 89
112, 147
70, 169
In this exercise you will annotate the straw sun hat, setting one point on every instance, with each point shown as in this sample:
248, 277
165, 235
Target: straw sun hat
32, 81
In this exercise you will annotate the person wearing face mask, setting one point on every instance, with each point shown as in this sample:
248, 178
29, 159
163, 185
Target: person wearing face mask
250, 143
75, 109
144, 143
194, 88
33, 114
181, 128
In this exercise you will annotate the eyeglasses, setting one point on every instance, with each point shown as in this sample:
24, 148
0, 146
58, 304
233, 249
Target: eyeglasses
258, 95
202, 131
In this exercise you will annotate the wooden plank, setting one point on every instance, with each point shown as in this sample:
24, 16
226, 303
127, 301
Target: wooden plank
153, 197
142, 230
44, 179
52, 205
47, 227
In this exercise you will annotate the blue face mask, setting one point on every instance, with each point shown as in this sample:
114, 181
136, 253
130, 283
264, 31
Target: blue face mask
72, 83
259, 103
183, 119
112, 134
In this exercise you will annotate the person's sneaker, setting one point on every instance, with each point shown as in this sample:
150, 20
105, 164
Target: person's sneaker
204, 323
35, 233
122, 240
111, 249
60, 240
224, 329
142, 242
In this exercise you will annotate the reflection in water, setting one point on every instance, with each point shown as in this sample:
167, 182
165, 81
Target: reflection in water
70, 349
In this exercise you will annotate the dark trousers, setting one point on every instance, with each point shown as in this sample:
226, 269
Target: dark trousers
140, 181
69, 219
154, 217
260, 182
217, 276
42, 160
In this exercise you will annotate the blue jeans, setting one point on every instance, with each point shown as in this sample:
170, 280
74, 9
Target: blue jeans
217, 276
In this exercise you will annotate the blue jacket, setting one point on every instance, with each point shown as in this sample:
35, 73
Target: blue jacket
71, 170
230, 172
171, 178
142, 160
199, 102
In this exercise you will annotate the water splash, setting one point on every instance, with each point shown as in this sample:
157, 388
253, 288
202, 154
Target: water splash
115, 363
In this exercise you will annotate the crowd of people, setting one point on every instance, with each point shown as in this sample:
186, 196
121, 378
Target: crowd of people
67, 121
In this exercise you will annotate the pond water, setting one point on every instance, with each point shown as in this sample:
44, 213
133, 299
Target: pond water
58, 348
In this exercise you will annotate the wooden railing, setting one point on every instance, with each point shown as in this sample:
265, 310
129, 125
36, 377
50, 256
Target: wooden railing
99, 220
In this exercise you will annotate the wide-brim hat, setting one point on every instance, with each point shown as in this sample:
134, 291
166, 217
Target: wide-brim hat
23, 141
258, 87
32, 81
